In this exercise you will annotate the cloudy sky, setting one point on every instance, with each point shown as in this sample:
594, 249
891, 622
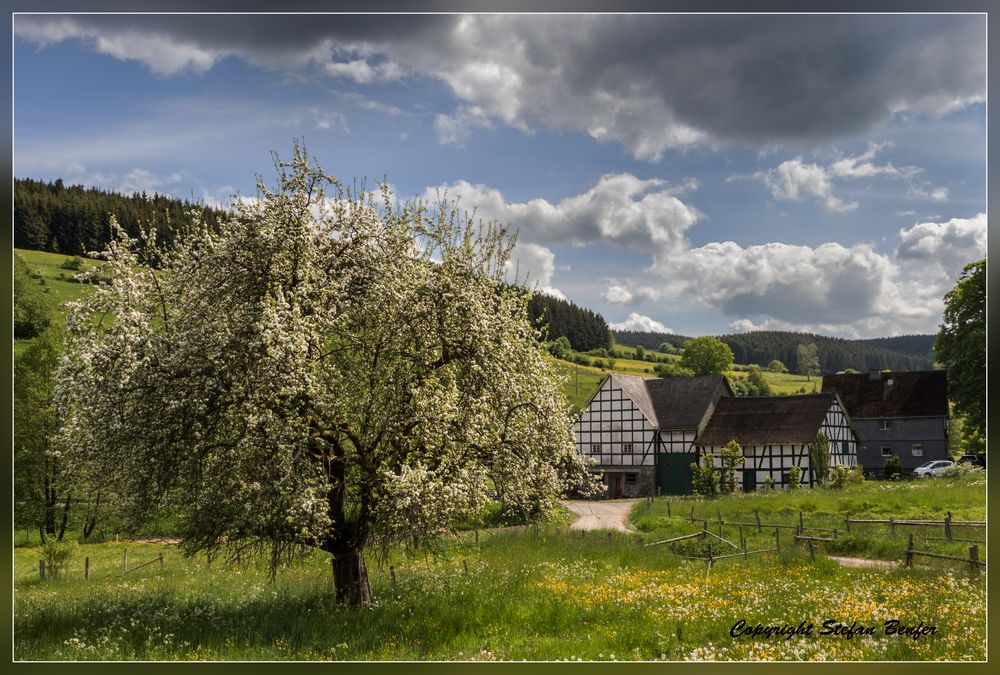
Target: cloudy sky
697, 174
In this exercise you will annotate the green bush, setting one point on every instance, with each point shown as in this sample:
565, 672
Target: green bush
839, 476
958, 470
856, 475
74, 263
768, 483
704, 478
57, 555
794, 478
892, 468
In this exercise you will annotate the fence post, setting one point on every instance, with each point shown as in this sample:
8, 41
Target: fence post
974, 557
718, 515
161, 560
777, 539
125, 560
465, 564
477, 535
392, 573
801, 523
668, 509
847, 523
704, 525
86, 567
834, 533
41, 570
756, 513
909, 552
947, 526
892, 527
812, 555
692, 513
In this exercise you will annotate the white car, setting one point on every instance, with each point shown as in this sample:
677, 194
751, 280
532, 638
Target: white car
932, 469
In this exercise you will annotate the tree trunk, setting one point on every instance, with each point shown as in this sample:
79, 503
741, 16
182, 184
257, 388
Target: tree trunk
350, 577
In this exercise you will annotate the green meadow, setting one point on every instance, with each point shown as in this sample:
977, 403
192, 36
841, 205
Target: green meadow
545, 593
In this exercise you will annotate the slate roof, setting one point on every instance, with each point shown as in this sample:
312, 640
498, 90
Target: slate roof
767, 420
922, 393
674, 403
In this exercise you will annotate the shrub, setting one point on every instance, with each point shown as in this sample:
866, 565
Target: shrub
819, 457
892, 468
704, 479
768, 483
959, 470
838, 476
794, 478
57, 555
732, 459
777, 366
856, 475
74, 263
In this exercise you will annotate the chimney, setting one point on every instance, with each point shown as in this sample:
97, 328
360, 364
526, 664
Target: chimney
874, 374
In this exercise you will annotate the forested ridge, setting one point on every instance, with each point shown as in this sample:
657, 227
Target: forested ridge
584, 328
74, 220
908, 352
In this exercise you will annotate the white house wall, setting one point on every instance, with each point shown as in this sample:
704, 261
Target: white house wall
772, 461
614, 432
677, 441
843, 446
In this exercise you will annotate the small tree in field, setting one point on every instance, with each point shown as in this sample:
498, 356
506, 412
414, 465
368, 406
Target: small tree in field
327, 371
707, 355
819, 458
732, 460
807, 357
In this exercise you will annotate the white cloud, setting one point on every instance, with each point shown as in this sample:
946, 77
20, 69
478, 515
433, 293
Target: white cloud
862, 166
641, 323
535, 265
941, 250
619, 210
455, 129
627, 293
794, 180
363, 72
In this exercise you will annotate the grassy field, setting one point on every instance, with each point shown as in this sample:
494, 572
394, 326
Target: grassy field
58, 281
546, 594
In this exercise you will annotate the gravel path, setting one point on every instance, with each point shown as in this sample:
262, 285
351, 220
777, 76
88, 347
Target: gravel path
601, 515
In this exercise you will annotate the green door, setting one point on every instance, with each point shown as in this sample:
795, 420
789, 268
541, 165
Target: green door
674, 472
749, 480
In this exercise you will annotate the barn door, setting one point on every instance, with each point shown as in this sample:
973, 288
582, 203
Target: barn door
674, 474
749, 480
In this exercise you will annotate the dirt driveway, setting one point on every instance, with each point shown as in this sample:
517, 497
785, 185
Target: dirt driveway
601, 515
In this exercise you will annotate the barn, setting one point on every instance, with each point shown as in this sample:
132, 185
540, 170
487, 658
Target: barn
641, 431
776, 432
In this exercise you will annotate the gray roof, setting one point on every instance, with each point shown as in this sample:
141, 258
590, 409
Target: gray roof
675, 403
767, 420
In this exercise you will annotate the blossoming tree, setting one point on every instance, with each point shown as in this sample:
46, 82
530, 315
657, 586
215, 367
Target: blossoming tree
328, 370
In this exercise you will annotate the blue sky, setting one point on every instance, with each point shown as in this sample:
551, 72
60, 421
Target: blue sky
700, 174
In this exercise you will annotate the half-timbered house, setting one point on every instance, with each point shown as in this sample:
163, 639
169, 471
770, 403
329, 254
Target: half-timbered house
776, 433
641, 431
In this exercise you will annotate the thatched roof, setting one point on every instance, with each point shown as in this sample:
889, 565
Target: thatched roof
767, 420
674, 403
903, 394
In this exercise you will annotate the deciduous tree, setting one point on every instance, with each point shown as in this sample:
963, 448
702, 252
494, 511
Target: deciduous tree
961, 348
706, 355
328, 370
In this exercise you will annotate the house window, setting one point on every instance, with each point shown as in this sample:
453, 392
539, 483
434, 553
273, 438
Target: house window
884, 425
630, 479
595, 449
917, 449
627, 447
886, 451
